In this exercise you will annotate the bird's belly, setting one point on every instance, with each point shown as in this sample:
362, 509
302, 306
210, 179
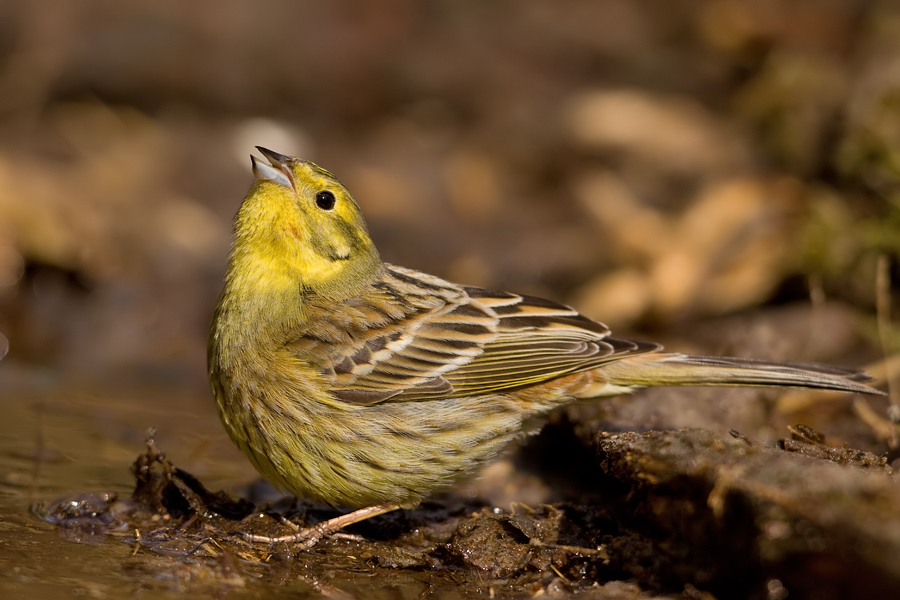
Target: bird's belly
401, 452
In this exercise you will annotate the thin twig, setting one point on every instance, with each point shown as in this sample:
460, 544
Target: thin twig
883, 318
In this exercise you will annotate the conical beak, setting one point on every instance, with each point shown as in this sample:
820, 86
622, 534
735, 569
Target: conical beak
277, 171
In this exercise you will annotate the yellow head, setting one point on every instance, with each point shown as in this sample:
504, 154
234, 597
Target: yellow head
300, 224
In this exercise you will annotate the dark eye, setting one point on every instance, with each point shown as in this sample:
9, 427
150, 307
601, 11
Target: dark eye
325, 200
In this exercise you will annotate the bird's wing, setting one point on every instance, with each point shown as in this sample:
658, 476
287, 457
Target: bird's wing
536, 340
418, 337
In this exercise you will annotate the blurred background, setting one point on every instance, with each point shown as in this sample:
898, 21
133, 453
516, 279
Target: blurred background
719, 175
666, 167
651, 163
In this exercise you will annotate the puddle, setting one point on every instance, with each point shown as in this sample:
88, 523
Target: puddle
60, 443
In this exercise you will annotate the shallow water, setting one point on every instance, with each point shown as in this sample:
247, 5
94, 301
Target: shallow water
57, 443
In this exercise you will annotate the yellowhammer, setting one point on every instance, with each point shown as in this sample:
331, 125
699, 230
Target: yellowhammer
365, 385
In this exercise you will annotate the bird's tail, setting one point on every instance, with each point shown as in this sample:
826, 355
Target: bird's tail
685, 369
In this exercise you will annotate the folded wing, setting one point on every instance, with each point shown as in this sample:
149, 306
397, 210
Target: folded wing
418, 338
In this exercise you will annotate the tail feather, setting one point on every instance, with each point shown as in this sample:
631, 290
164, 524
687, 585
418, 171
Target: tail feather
686, 369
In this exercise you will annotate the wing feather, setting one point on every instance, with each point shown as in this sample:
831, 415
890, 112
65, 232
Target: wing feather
417, 337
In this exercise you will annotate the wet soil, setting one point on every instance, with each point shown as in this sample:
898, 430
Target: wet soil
667, 512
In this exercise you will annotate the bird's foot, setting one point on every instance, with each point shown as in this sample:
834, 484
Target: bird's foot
310, 536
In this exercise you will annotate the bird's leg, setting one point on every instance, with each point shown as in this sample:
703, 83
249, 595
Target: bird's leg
310, 536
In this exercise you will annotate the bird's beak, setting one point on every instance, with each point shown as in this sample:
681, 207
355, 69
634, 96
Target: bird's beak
277, 171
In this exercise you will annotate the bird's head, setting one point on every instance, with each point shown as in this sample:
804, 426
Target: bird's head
299, 222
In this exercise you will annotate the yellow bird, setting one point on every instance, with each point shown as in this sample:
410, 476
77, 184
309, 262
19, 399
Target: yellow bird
368, 386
